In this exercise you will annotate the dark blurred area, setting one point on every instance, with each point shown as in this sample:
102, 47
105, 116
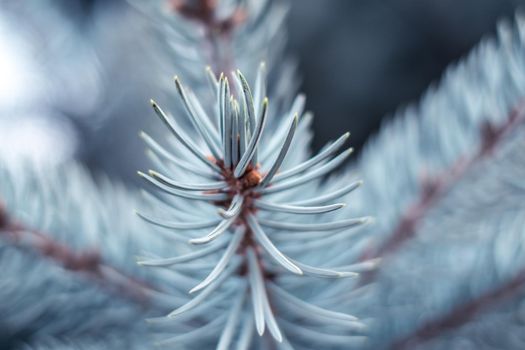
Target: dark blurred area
359, 61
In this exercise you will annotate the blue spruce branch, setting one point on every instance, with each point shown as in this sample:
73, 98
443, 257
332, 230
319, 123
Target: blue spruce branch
463, 313
245, 197
436, 186
259, 213
65, 253
225, 35
454, 244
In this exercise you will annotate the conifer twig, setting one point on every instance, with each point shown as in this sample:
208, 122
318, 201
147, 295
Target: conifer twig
89, 263
218, 30
462, 313
435, 188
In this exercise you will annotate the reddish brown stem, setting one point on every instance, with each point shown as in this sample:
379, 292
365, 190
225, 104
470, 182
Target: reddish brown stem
89, 263
218, 31
461, 314
435, 188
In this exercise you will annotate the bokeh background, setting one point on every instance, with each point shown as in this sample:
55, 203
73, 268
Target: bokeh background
76, 75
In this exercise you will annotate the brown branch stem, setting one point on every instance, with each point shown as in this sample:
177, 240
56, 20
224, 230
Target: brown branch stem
435, 188
89, 263
461, 314
218, 32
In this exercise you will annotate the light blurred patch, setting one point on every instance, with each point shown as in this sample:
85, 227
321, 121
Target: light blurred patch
41, 140
18, 78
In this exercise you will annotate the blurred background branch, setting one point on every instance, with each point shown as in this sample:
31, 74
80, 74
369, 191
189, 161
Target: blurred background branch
77, 66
